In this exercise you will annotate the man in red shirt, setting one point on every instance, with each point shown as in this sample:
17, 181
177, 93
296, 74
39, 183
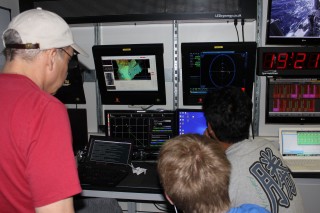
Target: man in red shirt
37, 167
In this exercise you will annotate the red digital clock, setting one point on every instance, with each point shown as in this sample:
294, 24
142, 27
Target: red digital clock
289, 61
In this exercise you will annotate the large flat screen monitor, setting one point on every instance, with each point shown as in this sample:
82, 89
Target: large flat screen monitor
130, 74
293, 22
211, 66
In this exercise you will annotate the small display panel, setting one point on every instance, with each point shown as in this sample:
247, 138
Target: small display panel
211, 66
105, 151
293, 100
130, 74
293, 22
304, 143
191, 121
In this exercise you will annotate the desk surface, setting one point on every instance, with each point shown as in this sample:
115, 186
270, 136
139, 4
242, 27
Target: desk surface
146, 187
134, 187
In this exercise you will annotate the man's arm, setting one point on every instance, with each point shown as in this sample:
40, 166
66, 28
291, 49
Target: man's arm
61, 206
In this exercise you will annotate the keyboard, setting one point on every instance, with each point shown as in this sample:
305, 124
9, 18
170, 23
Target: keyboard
97, 175
303, 165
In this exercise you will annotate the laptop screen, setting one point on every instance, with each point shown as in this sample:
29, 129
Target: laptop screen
191, 121
106, 150
304, 142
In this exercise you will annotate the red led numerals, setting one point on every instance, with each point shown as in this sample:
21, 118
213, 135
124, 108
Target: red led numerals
268, 60
291, 61
282, 60
313, 61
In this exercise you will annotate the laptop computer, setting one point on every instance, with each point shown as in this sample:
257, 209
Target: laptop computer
300, 148
106, 161
191, 121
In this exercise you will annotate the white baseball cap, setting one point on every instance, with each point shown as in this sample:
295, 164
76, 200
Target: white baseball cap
42, 29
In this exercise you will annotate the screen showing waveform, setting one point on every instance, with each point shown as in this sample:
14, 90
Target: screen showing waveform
147, 129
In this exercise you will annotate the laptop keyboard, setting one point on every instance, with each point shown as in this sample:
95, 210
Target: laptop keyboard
96, 175
306, 164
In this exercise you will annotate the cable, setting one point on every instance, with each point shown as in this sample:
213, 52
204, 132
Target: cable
242, 27
252, 130
175, 209
163, 208
235, 25
148, 107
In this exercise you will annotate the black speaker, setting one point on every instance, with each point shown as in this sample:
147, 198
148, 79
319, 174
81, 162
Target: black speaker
72, 91
79, 128
98, 11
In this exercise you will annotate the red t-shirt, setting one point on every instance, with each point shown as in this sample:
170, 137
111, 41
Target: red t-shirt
37, 165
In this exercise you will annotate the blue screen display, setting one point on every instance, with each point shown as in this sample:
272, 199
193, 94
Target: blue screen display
191, 122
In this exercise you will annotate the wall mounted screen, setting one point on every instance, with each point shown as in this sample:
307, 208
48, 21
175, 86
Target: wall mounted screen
293, 100
130, 74
293, 22
211, 66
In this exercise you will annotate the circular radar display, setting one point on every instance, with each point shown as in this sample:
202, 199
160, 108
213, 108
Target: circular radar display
222, 71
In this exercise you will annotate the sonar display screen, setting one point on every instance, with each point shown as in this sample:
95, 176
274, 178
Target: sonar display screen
211, 66
130, 73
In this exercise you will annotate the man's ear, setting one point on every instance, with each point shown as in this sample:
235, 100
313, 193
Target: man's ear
169, 199
209, 131
51, 53
206, 131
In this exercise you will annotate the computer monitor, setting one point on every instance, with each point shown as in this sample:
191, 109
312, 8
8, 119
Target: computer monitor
211, 66
148, 129
191, 121
130, 74
293, 22
292, 100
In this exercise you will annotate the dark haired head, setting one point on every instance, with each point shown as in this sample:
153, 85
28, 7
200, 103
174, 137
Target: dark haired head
229, 113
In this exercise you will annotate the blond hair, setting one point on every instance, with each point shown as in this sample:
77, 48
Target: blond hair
194, 172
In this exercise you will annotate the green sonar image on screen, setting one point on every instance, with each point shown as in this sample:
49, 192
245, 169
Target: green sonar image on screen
128, 69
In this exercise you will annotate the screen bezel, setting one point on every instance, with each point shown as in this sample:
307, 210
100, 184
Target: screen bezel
187, 48
303, 41
110, 97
